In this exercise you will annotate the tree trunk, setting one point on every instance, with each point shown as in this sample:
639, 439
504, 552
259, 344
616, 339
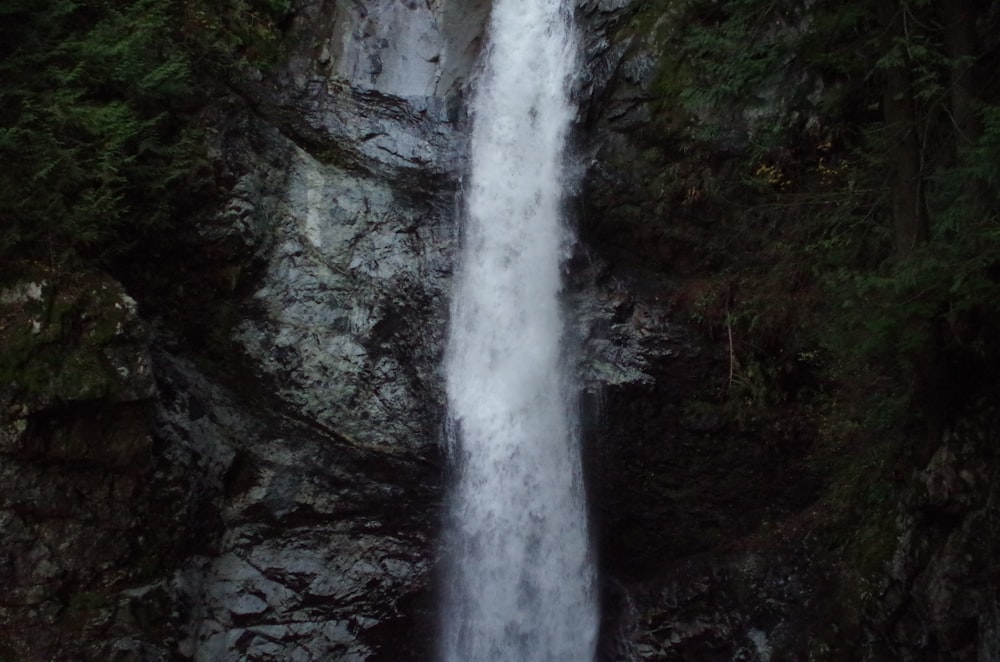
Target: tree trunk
911, 224
905, 156
962, 46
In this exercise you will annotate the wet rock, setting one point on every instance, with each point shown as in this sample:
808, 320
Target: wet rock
75, 401
935, 601
299, 469
303, 541
347, 321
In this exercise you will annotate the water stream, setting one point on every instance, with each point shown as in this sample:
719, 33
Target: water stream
521, 583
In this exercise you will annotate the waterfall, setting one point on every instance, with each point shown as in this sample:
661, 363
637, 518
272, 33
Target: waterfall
520, 584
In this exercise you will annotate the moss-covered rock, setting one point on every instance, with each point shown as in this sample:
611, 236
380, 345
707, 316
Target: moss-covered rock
71, 337
76, 395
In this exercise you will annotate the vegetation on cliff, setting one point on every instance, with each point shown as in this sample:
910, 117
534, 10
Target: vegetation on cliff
848, 156
820, 181
98, 120
816, 189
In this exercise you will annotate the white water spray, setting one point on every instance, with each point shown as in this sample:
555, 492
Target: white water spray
521, 583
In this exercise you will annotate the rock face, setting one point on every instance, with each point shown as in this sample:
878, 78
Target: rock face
305, 469
722, 540
76, 397
246, 465
286, 503
300, 544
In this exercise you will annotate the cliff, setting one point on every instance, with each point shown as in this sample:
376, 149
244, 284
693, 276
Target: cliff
227, 444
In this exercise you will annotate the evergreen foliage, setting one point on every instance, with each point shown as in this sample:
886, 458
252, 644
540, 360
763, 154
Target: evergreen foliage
86, 116
885, 150
98, 103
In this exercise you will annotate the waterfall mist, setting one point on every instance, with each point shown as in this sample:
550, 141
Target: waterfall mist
521, 583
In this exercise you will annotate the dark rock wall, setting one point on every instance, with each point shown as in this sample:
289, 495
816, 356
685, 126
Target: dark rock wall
757, 538
247, 464
298, 453
276, 493
76, 401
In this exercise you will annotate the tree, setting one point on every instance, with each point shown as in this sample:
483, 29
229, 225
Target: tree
905, 150
87, 113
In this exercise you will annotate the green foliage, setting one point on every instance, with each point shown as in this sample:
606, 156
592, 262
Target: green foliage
984, 166
790, 98
895, 308
836, 29
228, 34
97, 110
740, 27
738, 54
86, 109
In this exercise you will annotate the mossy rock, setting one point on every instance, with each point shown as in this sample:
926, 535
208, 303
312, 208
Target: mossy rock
71, 338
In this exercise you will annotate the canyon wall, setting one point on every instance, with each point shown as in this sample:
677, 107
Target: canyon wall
233, 450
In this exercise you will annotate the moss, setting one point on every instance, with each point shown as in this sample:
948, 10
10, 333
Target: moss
86, 601
650, 15
871, 550
56, 345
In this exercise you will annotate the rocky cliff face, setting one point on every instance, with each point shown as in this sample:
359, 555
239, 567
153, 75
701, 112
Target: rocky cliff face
726, 534
308, 475
76, 399
246, 465
275, 493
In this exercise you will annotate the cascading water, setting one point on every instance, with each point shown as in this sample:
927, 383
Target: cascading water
521, 582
